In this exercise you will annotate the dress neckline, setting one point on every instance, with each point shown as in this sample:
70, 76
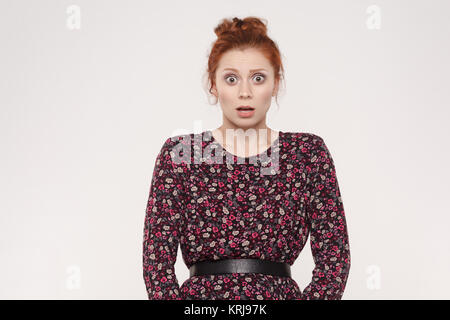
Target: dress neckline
274, 144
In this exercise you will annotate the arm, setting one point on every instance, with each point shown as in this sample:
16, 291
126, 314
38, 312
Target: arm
326, 219
162, 229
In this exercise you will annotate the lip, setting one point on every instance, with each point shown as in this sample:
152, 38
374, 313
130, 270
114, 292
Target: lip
245, 107
245, 114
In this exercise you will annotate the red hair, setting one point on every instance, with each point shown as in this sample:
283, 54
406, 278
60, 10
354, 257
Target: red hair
250, 32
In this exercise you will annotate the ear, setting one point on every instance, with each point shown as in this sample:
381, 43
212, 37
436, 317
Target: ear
275, 88
214, 90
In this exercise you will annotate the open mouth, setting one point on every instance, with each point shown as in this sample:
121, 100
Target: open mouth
245, 111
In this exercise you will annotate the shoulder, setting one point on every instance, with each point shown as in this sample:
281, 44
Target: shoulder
310, 147
177, 149
171, 143
307, 140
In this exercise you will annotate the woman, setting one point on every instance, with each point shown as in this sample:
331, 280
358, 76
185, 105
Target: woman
243, 217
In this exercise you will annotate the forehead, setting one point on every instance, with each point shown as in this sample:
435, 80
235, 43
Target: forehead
247, 60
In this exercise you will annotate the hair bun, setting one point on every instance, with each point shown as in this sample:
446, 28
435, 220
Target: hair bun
252, 25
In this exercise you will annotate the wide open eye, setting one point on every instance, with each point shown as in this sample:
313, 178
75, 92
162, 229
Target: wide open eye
258, 76
230, 77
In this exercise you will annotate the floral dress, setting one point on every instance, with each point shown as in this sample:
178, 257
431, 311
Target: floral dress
260, 207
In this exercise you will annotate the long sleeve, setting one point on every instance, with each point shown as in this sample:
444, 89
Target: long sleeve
328, 229
162, 228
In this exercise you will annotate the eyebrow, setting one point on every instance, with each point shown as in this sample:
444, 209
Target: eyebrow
250, 70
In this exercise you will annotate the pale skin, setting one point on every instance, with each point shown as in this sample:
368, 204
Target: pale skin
252, 83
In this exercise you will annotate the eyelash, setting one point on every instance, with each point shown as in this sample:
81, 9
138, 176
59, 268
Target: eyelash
258, 74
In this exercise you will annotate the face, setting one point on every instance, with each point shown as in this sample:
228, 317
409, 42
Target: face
249, 82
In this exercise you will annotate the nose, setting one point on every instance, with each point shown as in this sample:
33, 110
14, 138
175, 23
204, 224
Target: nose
244, 91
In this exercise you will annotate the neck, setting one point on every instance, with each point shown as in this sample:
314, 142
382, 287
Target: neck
246, 139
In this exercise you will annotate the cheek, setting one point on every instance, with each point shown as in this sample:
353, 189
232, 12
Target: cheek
266, 92
226, 93
263, 97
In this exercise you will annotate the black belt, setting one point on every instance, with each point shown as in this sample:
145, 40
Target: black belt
240, 266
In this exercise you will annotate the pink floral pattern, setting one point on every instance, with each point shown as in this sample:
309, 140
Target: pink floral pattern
230, 210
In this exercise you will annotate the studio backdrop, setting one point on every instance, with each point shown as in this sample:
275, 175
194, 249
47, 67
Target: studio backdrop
90, 90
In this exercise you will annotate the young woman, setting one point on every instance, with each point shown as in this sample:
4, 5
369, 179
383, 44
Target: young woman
243, 203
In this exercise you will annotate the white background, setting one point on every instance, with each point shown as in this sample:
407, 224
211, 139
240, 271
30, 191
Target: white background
84, 113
